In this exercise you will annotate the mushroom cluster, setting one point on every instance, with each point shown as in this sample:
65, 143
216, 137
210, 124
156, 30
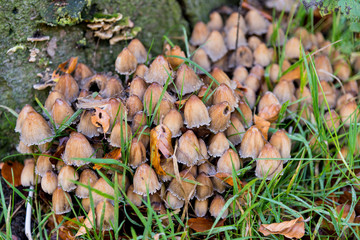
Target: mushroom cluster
192, 125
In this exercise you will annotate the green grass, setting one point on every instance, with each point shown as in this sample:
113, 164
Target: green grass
311, 176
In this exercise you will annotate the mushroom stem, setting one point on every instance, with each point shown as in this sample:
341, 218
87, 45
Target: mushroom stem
28, 214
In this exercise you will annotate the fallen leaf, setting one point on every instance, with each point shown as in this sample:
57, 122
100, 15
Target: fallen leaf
290, 229
65, 233
160, 141
88, 223
68, 66
10, 169
203, 224
262, 125
227, 178
292, 75
101, 119
114, 154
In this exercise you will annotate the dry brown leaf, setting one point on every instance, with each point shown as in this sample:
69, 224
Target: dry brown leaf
160, 141
68, 66
290, 229
203, 224
10, 169
114, 154
292, 75
262, 125
101, 119
88, 223
226, 177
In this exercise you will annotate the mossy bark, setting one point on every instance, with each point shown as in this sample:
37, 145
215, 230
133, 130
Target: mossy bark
66, 21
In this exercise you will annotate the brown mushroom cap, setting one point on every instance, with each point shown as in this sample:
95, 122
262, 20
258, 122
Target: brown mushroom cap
201, 207
66, 178
27, 177
217, 204
215, 46
126, 62
159, 71
145, 180
220, 117
188, 150
218, 144
138, 50
256, 23
49, 182
35, 130
204, 190
252, 143
77, 147
183, 190
195, 113
61, 201
199, 34
228, 162
267, 165
87, 177
68, 87
186, 80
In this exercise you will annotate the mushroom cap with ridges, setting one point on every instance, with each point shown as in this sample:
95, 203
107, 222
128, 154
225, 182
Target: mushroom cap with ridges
235, 131
252, 143
43, 164
85, 125
231, 38
199, 34
201, 207
183, 190
186, 80
105, 215
103, 186
218, 144
61, 201
87, 177
145, 180
174, 121
188, 150
171, 201
66, 178
137, 48
27, 177
50, 100
204, 190
35, 130
159, 71
61, 111
225, 93
195, 113
256, 23
267, 165
215, 46
228, 162
220, 117
49, 182
216, 206
126, 62
68, 87
77, 147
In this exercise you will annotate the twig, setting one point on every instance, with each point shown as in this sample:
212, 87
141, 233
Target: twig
28, 214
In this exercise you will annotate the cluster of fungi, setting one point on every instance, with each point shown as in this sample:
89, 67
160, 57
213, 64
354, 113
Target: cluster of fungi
180, 127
